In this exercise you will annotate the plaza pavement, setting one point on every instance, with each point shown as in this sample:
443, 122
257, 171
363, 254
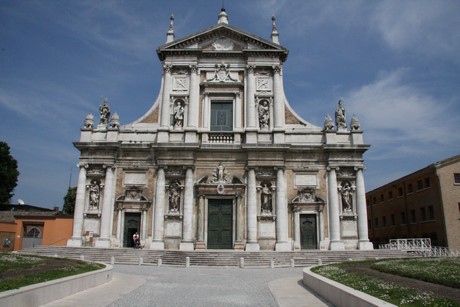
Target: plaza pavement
135, 286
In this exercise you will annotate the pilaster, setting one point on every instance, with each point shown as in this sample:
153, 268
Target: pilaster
334, 219
76, 240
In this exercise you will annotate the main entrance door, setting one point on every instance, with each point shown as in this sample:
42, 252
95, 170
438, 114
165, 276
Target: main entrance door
220, 223
132, 225
308, 231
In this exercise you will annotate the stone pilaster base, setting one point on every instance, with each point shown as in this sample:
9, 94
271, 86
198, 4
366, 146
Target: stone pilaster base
74, 242
239, 246
157, 245
252, 247
200, 245
337, 246
102, 243
163, 136
283, 247
365, 245
186, 246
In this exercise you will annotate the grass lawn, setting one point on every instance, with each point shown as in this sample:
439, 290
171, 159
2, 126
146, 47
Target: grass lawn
22, 270
443, 271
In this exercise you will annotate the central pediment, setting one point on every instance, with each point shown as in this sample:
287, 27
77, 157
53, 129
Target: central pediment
221, 39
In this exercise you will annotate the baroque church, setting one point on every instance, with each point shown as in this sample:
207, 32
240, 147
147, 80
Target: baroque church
221, 160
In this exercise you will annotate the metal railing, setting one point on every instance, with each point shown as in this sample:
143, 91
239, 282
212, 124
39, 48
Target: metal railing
420, 246
221, 138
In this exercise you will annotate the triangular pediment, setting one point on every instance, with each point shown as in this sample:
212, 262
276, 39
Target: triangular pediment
222, 38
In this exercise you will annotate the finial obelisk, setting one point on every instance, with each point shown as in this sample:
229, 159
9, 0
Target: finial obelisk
170, 35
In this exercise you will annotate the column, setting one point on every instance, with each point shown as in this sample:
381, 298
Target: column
119, 226
75, 241
296, 224
363, 237
165, 101
334, 221
282, 243
250, 104
200, 224
252, 245
143, 233
278, 96
104, 239
158, 221
194, 97
238, 111
240, 223
187, 226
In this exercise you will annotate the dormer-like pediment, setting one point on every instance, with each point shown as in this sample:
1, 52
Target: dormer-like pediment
221, 39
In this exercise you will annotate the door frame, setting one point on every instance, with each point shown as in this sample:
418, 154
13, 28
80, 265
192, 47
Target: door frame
125, 231
316, 229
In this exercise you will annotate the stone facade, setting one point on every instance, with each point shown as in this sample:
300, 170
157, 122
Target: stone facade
221, 160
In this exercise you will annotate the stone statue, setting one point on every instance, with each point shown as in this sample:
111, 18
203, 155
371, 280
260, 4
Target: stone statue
354, 123
178, 115
94, 193
220, 174
264, 114
340, 116
174, 197
347, 197
328, 123
266, 199
89, 121
105, 113
114, 122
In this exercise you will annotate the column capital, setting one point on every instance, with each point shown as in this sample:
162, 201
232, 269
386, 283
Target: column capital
84, 165
107, 166
277, 69
332, 167
251, 68
167, 68
193, 69
360, 167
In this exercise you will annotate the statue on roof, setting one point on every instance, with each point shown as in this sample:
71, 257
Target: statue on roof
354, 123
340, 116
328, 124
104, 110
89, 121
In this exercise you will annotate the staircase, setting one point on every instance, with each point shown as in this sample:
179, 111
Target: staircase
210, 258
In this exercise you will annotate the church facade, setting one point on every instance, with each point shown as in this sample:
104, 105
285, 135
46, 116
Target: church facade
221, 160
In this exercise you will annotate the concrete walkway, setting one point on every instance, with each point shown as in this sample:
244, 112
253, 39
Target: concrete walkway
172, 286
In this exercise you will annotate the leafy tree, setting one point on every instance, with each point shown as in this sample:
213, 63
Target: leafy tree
69, 201
8, 173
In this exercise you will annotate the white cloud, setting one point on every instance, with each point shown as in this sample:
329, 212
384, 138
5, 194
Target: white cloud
425, 26
397, 114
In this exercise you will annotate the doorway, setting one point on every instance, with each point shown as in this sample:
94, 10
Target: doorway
220, 224
308, 235
132, 225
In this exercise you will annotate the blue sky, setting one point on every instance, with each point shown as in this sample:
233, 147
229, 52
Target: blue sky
395, 63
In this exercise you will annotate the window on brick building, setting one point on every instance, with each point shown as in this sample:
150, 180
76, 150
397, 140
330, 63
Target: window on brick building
384, 221
393, 221
382, 198
374, 200
376, 222
423, 214
457, 178
390, 195
403, 218
400, 191
427, 182
412, 216
431, 212
410, 188
419, 184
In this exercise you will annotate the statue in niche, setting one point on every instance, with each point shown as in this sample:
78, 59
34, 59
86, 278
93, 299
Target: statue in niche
94, 194
347, 197
174, 197
264, 114
266, 198
114, 122
220, 174
340, 116
178, 114
89, 121
104, 110
328, 123
354, 123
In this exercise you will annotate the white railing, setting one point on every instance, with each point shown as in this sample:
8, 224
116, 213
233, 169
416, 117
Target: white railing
221, 138
421, 246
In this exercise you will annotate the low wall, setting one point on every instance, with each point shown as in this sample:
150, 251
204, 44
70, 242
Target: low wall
43, 293
338, 294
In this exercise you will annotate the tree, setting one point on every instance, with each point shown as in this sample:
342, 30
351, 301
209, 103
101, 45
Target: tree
8, 173
69, 201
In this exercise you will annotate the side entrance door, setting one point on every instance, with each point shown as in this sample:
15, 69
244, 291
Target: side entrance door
132, 225
220, 223
308, 231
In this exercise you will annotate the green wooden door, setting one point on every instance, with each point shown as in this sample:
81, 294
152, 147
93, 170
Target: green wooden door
308, 231
220, 225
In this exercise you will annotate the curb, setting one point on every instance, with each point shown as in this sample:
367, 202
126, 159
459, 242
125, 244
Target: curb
338, 294
43, 293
